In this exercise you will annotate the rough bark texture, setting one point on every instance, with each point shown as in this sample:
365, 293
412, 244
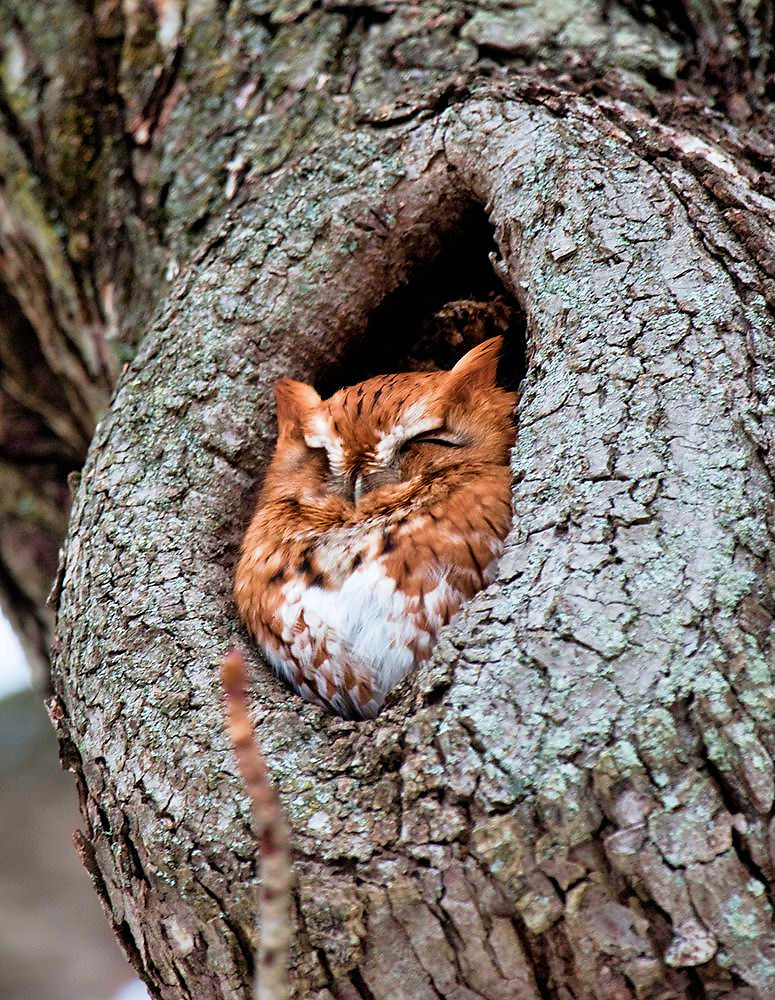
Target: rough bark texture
574, 798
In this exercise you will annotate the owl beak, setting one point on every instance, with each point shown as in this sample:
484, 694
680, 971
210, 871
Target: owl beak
358, 489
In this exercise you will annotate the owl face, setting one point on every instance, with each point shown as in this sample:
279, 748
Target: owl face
368, 441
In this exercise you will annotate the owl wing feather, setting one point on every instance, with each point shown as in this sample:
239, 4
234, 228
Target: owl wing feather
346, 683
327, 671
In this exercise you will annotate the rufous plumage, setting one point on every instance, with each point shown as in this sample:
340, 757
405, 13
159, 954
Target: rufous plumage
383, 509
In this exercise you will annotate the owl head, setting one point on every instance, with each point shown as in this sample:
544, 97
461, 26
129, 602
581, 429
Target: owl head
366, 439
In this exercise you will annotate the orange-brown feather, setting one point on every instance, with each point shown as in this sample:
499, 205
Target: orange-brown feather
345, 590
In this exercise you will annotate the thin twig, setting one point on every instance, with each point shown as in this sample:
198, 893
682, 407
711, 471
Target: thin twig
274, 856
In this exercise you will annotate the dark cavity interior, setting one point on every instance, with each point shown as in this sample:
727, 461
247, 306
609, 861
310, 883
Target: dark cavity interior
447, 306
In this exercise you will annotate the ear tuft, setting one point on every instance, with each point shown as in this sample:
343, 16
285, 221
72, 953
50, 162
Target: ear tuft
294, 401
475, 370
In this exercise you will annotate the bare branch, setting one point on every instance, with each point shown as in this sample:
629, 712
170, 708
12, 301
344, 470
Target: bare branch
274, 856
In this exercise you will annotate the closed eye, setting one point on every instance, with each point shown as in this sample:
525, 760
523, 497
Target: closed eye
444, 442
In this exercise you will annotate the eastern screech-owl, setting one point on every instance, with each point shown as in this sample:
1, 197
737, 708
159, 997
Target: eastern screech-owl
383, 509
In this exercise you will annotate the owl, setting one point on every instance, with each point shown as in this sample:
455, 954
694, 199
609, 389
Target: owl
383, 509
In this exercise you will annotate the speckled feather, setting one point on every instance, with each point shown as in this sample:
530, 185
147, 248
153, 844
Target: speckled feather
383, 509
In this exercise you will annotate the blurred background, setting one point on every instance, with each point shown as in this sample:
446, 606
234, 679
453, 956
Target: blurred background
55, 943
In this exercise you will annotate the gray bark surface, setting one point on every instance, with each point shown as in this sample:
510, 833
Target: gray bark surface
574, 798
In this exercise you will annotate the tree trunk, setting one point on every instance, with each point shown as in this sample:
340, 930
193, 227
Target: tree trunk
573, 798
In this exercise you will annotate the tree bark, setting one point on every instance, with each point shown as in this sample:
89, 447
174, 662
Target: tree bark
573, 799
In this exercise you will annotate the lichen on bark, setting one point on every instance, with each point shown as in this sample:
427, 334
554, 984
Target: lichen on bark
575, 793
